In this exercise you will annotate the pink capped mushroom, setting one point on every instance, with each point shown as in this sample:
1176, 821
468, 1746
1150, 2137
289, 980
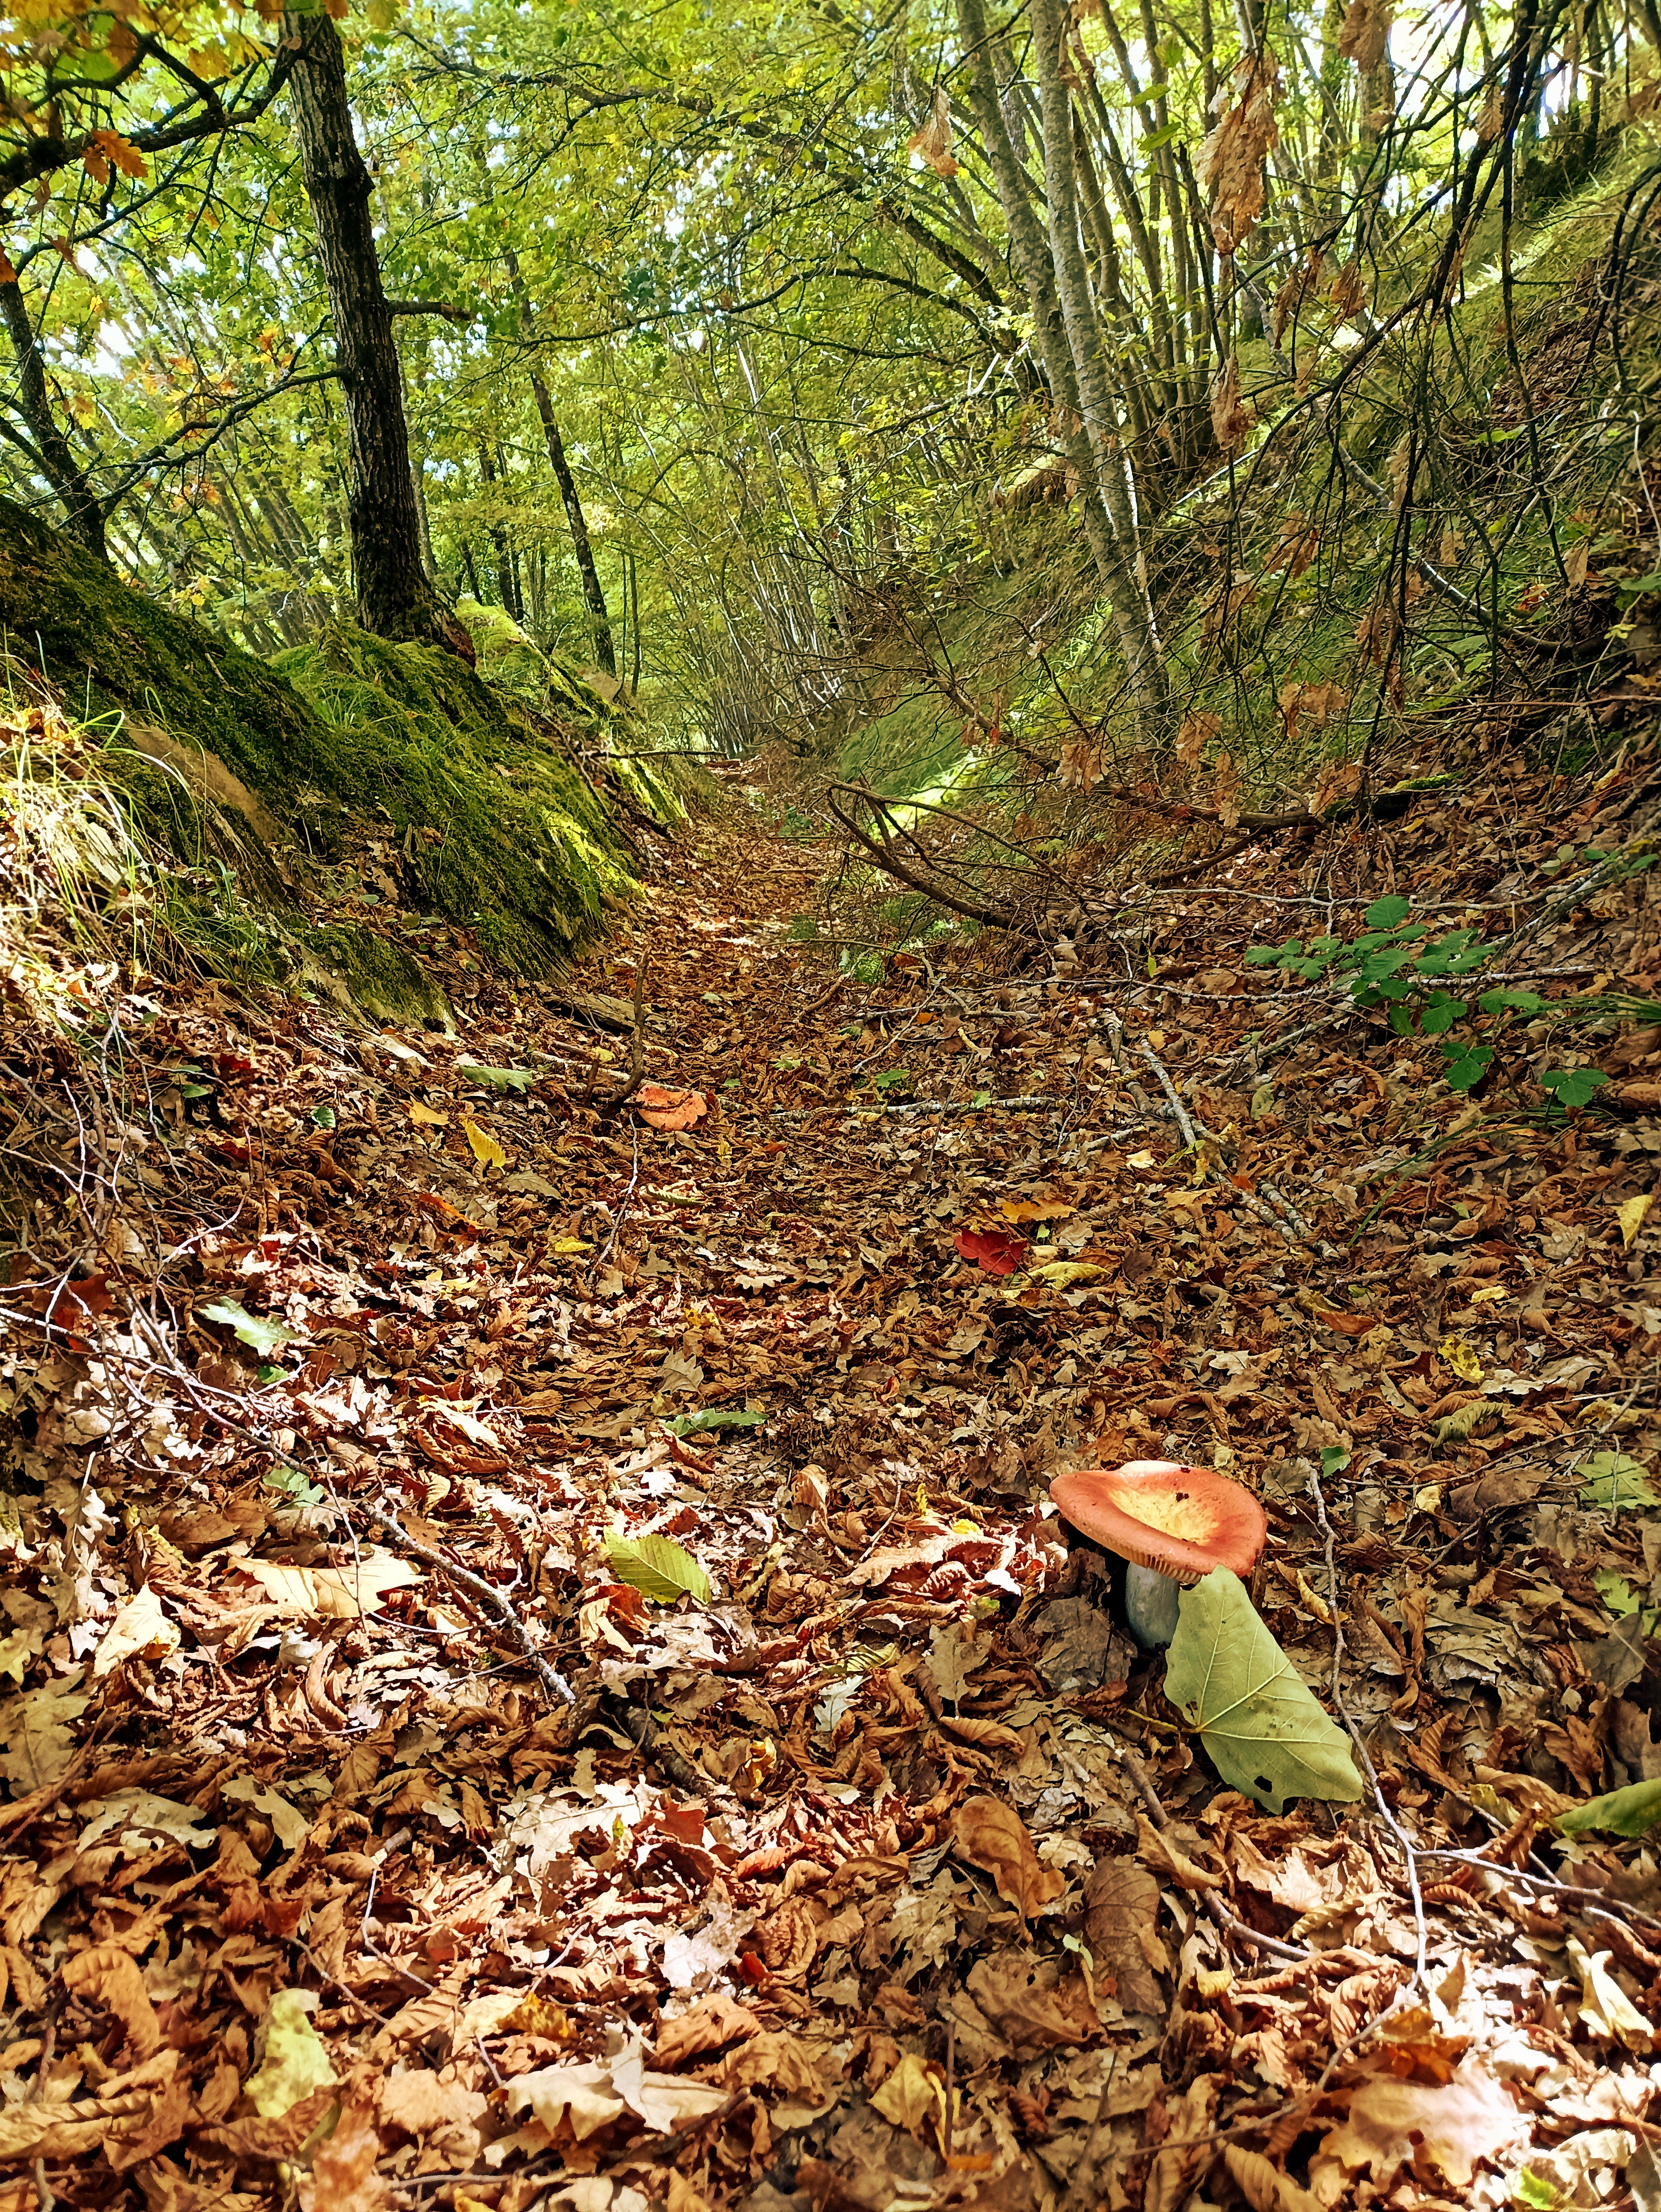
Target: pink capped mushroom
1170, 1524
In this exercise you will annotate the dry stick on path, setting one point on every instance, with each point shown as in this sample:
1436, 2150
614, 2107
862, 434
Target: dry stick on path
1227, 1923
1081, 2189
1292, 1227
637, 1040
487, 1595
884, 857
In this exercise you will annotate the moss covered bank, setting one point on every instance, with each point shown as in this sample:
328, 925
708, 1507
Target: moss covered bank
257, 777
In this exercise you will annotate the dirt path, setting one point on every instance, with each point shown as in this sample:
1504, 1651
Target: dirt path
356, 1776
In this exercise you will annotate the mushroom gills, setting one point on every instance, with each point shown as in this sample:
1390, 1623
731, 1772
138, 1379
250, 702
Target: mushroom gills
1150, 1605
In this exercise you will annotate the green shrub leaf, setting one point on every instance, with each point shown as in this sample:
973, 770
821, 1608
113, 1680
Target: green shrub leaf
1573, 1086
499, 1078
1260, 1725
1386, 912
716, 1417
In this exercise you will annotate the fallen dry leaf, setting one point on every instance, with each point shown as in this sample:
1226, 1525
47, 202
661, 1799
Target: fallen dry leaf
990, 1834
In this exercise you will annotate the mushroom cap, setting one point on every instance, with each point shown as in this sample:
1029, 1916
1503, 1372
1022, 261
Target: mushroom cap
1179, 1521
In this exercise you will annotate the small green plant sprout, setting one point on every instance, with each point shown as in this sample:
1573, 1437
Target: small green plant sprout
1573, 1086
1397, 962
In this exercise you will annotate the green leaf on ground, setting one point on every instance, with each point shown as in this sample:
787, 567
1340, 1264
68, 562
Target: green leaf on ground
1629, 1812
656, 1567
1616, 1482
1260, 1725
262, 1336
716, 1417
1573, 1086
499, 1078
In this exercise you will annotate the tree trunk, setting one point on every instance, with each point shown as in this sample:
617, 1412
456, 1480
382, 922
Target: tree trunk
394, 599
634, 616
594, 597
507, 575
1103, 492
83, 515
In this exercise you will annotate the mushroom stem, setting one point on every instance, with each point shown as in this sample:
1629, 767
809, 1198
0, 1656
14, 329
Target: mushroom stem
1150, 1604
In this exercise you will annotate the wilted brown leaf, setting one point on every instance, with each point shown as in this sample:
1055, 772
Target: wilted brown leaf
1165, 1857
1229, 164
931, 145
662, 1108
1080, 764
1364, 34
1262, 2185
991, 1835
1449, 2128
1121, 1900
1231, 418
109, 1976
343, 2178
1197, 731
1030, 2005
1349, 293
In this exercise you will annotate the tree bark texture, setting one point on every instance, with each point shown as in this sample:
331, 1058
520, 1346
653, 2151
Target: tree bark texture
1114, 551
593, 596
83, 515
394, 598
1134, 614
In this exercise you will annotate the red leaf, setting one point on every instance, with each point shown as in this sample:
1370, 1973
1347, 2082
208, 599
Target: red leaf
995, 1249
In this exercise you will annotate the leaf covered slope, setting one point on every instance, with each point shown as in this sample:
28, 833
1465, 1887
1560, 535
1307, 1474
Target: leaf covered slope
538, 1654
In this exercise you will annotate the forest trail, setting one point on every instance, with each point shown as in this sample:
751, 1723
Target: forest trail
378, 1816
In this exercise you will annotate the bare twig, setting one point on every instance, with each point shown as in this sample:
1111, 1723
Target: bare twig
487, 1595
1081, 2184
382, 1856
604, 1252
1225, 1922
637, 1040
1178, 1111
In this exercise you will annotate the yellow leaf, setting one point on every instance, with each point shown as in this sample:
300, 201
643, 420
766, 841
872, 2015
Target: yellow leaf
1143, 1159
1312, 1598
569, 1244
343, 1592
1062, 1274
1489, 1293
1630, 1214
1429, 1499
913, 2093
486, 1151
295, 2061
476, 1431
425, 1118
1455, 1353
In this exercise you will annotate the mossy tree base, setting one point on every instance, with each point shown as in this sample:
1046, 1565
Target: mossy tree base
254, 777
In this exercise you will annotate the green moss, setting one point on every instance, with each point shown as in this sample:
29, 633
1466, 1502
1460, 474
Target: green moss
351, 964
110, 652
494, 823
